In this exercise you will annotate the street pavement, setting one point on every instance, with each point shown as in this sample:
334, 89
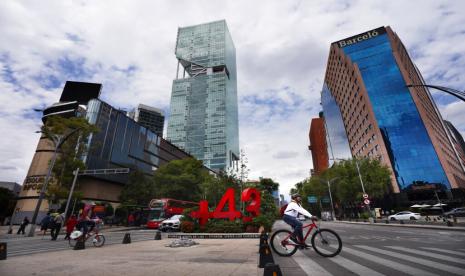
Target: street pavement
382, 250
21, 245
149, 257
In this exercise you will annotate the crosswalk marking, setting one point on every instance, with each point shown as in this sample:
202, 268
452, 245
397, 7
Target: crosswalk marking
308, 265
393, 265
428, 254
354, 267
425, 262
445, 251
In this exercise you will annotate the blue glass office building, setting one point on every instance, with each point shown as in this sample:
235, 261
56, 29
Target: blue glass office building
203, 111
365, 92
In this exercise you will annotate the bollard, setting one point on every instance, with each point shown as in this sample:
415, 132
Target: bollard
127, 238
401, 222
272, 270
449, 223
80, 244
2, 250
157, 235
455, 219
265, 256
263, 239
387, 221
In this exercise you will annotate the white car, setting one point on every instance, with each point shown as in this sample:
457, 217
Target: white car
405, 215
171, 224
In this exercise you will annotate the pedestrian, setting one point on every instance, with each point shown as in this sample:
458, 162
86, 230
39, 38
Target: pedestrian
58, 222
131, 220
44, 222
70, 224
23, 225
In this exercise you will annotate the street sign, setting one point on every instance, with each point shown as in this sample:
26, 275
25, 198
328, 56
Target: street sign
366, 201
312, 199
365, 196
325, 199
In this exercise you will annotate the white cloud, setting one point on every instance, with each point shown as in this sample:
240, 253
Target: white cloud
282, 47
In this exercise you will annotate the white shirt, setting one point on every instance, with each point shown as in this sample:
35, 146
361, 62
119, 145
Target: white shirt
293, 209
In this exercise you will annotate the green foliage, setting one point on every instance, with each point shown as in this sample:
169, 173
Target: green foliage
187, 226
139, 190
70, 150
109, 210
215, 187
263, 220
345, 182
181, 179
267, 184
224, 226
365, 215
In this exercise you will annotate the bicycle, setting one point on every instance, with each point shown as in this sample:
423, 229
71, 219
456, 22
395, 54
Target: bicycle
326, 242
98, 239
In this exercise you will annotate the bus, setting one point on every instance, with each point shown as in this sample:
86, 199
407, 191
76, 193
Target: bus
164, 208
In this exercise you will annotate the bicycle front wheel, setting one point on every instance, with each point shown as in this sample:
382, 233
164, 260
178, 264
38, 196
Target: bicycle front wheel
326, 242
281, 244
98, 240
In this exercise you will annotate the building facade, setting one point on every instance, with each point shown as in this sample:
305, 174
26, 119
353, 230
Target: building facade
203, 111
318, 146
149, 117
366, 78
120, 143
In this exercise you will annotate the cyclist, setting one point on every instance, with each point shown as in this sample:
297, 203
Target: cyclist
290, 217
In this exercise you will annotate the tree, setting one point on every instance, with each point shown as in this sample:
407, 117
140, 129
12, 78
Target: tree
214, 188
70, 152
346, 188
181, 179
139, 190
266, 187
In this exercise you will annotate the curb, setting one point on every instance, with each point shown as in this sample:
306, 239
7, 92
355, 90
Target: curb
453, 228
215, 236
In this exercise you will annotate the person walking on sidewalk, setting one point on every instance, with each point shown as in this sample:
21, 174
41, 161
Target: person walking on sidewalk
58, 222
45, 222
23, 225
70, 224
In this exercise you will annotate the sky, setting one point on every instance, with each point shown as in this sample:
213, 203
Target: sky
281, 50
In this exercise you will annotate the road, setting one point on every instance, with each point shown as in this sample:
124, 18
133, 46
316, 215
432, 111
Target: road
382, 250
18, 246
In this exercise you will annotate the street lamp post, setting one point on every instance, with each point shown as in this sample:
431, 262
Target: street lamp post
333, 214
361, 181
58, 140
363, 187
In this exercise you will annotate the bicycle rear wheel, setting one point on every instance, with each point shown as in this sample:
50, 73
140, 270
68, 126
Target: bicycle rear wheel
326, 242
98, 240
281, 244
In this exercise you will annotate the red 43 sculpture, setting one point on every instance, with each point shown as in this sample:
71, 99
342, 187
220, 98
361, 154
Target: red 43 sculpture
248, 195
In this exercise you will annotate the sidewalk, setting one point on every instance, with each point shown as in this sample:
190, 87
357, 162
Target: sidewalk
209, 257
4, 231
406, 225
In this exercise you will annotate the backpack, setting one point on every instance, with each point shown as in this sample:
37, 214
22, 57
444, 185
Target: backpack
281, 211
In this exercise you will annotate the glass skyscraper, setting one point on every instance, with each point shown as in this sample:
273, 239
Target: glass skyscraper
365, 94
203, 112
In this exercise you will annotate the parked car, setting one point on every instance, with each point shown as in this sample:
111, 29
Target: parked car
154, 223
172, 224
405, 215
457, 212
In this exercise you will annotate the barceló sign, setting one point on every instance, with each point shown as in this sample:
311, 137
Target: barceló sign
250, 195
